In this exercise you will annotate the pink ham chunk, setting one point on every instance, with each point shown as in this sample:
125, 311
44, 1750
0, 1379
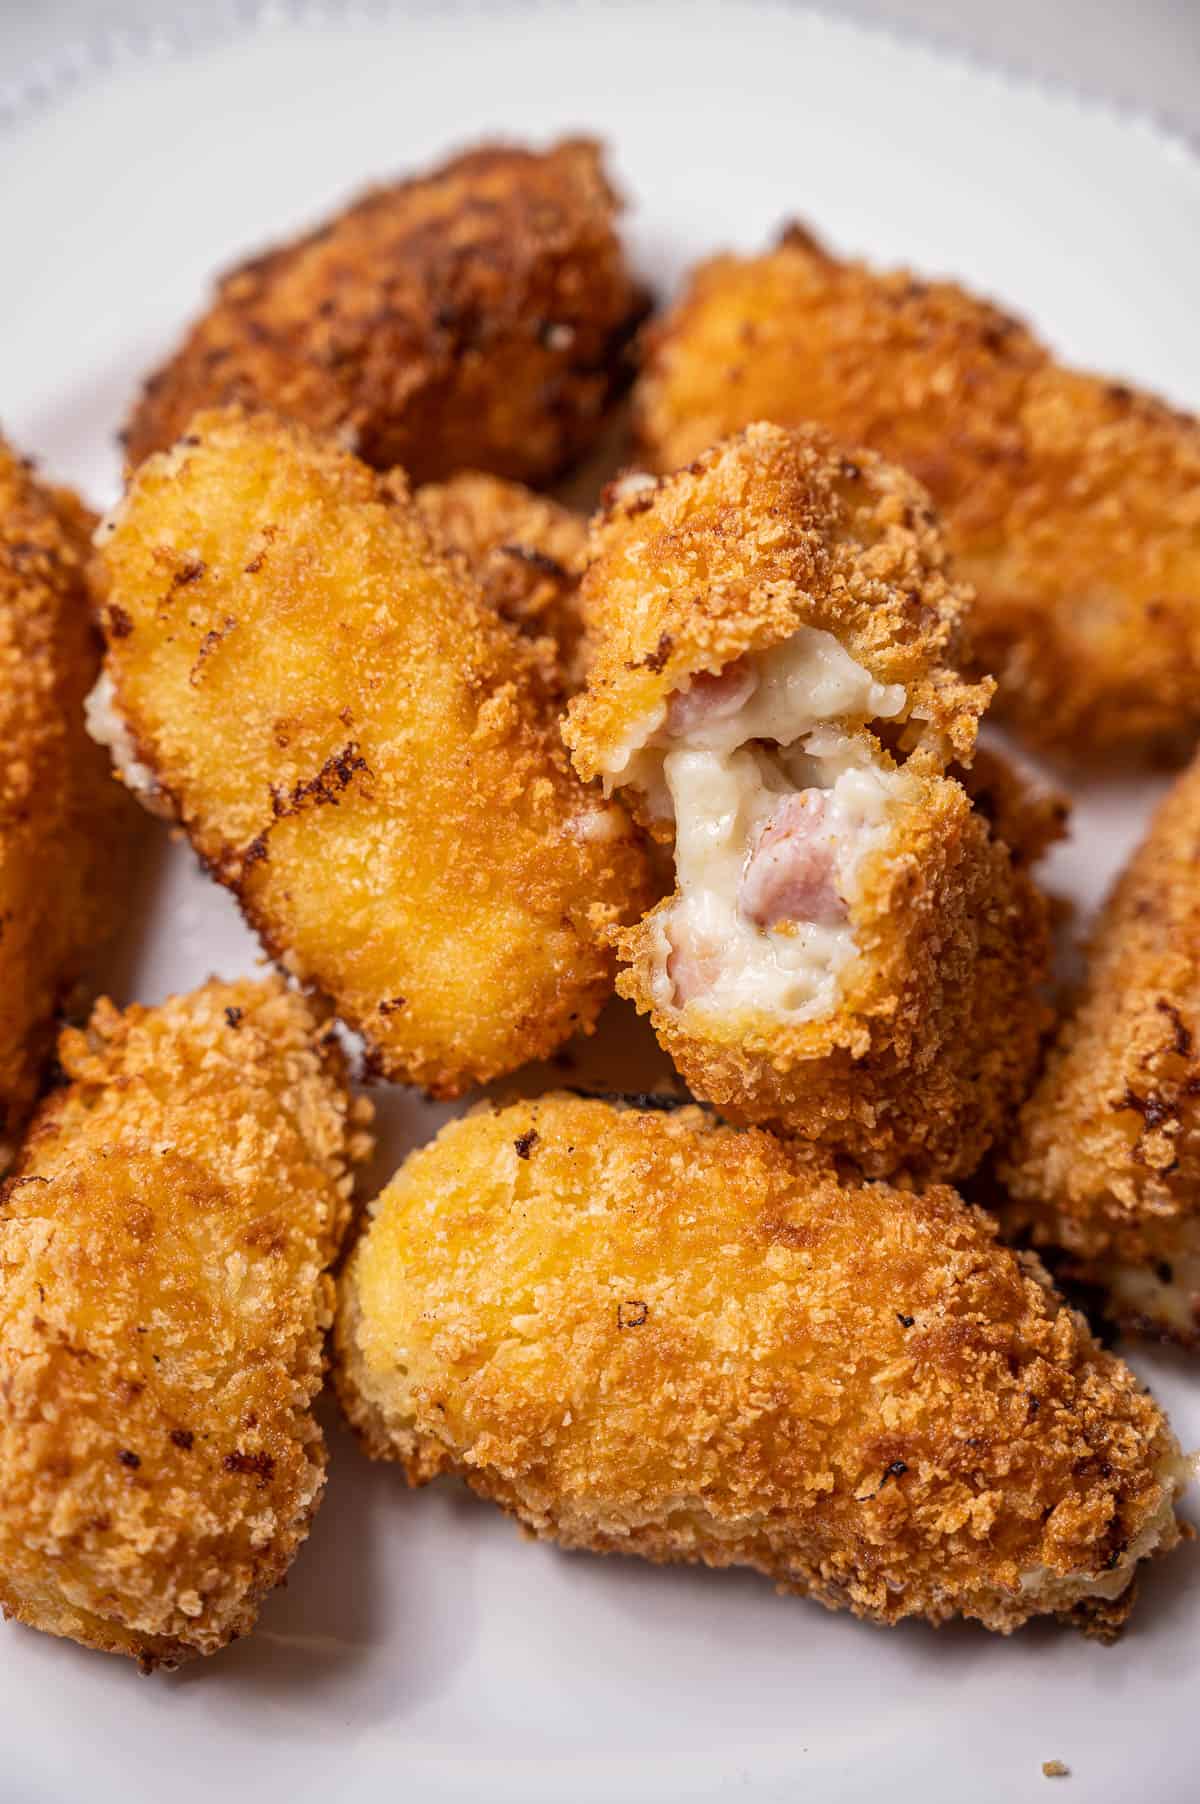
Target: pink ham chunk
711, 696
693, 965
791, 873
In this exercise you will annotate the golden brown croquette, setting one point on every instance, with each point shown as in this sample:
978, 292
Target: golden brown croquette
362, 751
477, 317
164, 1297
67, 832
642, 1332
1106, 1164
1069, 501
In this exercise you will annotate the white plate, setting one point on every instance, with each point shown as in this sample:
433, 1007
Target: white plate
421, 1650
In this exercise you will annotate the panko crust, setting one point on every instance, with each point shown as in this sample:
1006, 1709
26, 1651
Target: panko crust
1106, 1161
477, 317
363, 752
768, 532
935, 1039
1071, 503
526, 552
67, 832
1024, 811
649, 1333
164, 1296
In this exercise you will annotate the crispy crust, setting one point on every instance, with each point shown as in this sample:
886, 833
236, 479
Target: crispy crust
647, 1333
475, 317
362, 752
163, 1306
1069, 501
774, 530
67, 833
1106, 1163
933, 1045
526, 553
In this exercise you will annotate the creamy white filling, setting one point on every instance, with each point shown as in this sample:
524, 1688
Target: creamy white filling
106, 725
708, 945
1059, 1591
776, 792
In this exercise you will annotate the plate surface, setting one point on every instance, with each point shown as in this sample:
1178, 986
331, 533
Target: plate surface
420, 1649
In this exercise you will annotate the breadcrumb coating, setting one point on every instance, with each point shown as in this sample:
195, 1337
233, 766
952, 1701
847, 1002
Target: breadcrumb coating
1106, 1163
934, 1037
67, 833
164, 1296
360, 749
770, 531
526, 553
1070, 502
477, 317
644, 1332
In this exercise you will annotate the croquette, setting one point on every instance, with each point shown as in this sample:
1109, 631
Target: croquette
849, 954
1070, 502
526, 552
68, 834
645, 1332
477, 317
164, 1297
361, 750
1105, 1171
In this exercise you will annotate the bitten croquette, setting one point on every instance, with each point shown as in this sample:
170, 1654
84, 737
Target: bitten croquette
68, 834
1070, 502
1105, 1169
645, 1333
164, 1296
361, 750
849, 955
477, 317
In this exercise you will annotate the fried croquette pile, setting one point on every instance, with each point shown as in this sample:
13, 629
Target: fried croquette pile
477, 767
1068, 500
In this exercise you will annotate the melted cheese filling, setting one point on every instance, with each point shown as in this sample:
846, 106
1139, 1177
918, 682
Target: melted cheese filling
106, 725
777, 795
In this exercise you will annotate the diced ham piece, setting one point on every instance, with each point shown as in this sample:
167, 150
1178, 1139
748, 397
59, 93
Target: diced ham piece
711, 696
693, 967
791, 873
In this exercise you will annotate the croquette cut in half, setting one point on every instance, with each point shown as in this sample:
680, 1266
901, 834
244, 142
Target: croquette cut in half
647, 1333
361, 749
1105, 1170
164, 1297
68, 834
1069, 501
849, 954
476, 317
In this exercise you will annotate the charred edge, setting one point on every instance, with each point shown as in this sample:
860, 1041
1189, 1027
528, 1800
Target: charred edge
209, 644
897, 1469
327, 787
1182, 1036
632, 1313
261, 1465
538, 560
639, 1099
119, 624
524, 1143
654, 660
191, 572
